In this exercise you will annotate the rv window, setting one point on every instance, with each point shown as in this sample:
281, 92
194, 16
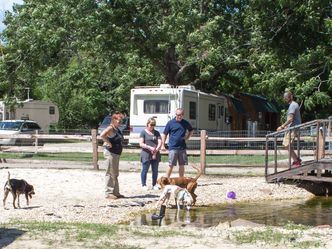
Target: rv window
52, 110
212, 112
156, 106
192, 110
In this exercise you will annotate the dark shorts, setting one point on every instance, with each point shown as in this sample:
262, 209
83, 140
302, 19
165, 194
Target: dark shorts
175, 156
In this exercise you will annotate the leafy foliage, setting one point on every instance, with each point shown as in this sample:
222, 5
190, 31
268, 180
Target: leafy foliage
86, 55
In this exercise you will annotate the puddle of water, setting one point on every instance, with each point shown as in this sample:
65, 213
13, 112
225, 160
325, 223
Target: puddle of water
313, 212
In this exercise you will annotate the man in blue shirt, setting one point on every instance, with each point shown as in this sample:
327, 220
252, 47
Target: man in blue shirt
177, 129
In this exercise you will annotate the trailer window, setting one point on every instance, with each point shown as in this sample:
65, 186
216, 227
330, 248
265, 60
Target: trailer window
192, 110
212, 112
52, 110
156, 106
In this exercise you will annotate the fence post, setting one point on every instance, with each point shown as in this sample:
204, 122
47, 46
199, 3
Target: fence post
203, 151
94, 149
36, 142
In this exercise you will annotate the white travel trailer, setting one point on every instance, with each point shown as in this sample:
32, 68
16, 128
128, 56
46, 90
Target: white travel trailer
204, 111
44, 113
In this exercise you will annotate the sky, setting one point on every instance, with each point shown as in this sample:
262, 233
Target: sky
6, 5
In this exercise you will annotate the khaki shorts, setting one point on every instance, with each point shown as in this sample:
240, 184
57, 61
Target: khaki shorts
289, 139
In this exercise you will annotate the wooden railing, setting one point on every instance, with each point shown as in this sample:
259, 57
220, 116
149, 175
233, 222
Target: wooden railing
316, 132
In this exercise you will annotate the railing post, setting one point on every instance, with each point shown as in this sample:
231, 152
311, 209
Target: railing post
266, 155
275, 154
36, 142
317, 141
321, 146
203, 151
94, 149
289, 148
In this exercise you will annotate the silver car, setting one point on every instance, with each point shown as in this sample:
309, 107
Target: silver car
14, 127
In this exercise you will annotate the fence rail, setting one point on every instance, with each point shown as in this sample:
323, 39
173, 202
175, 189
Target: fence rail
225, 144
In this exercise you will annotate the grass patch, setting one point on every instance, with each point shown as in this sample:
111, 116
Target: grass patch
268, 236
306, 244
292, 226
158, 233
275, 237
87, 157
89, 235
82, 230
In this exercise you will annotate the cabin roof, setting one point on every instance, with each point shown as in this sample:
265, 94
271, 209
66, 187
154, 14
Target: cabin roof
261, 103
238, 105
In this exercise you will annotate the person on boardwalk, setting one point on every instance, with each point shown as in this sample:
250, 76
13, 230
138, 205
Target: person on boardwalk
113, 140
150, 142
179, 130
293, 119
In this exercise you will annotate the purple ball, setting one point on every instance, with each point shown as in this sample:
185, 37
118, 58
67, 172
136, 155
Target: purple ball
231, 195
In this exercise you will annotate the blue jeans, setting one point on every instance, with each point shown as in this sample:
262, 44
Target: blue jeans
145, 168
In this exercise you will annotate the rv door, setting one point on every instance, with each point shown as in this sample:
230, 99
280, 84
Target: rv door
220, 117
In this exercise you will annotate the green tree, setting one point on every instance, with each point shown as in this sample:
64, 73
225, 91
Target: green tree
86, 55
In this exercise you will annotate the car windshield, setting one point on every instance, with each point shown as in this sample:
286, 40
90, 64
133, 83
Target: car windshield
107, 120
12, 126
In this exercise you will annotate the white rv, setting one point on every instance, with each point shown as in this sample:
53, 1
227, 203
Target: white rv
204, 111
44, 113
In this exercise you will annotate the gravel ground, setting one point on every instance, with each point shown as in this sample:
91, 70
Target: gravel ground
77, 195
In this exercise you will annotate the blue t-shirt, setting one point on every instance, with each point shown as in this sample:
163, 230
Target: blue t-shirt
177, 132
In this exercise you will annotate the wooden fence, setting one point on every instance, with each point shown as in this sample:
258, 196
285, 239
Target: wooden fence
203, 151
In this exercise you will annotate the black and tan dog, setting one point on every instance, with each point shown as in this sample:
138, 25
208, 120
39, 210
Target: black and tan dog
17, 187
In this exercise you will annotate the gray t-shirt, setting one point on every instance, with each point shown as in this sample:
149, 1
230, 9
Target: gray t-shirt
151, 140
295, 110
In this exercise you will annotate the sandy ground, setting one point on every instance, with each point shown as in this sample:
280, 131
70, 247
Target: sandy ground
72, 195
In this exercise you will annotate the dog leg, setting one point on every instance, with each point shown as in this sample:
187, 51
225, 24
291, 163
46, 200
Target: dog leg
162, 199
14, 199
18, 200
27, 198
5, 198
168, 195
177, 202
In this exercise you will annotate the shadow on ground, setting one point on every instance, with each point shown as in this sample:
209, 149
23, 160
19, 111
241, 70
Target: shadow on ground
9, 235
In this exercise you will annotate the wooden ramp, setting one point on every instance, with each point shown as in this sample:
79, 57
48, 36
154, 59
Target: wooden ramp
320, 171
315, 172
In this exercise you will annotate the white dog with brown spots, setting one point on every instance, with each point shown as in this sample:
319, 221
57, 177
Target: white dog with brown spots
181, 196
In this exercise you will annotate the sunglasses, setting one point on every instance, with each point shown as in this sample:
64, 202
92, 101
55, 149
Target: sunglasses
152, 124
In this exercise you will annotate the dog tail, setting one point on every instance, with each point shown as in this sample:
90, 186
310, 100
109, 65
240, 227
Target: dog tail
199, 172
7, 185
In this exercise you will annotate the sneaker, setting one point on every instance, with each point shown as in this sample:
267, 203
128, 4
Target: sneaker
111, 197
297, 163
155, 187
145, 188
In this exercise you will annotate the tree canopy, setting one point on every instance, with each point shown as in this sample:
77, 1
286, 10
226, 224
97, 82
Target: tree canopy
86, 55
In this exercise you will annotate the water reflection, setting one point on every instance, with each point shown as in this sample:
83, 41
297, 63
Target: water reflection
316, 211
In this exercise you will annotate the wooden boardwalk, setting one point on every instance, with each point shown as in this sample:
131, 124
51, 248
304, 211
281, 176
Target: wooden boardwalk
315, 172
320, 171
